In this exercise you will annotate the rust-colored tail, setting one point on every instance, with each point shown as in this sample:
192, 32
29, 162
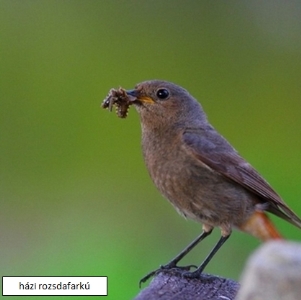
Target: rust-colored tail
260, 226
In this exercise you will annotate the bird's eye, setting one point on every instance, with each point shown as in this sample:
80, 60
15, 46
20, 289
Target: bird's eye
162, 93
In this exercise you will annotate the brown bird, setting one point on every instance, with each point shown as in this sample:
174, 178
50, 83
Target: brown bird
199, 172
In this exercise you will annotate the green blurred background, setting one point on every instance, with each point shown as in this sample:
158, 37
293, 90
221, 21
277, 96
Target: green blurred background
75, 196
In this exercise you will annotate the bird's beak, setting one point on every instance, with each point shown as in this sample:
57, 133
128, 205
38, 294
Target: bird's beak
138, 97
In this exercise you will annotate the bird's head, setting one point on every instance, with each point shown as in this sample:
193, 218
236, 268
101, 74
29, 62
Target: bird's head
160, 103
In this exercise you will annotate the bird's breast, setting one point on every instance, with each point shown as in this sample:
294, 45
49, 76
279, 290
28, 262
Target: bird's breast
175, 173
195, 190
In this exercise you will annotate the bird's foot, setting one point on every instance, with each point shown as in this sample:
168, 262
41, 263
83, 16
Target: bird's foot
167, 268
195, 274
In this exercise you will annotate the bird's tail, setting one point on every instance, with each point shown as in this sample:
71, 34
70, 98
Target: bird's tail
260, 226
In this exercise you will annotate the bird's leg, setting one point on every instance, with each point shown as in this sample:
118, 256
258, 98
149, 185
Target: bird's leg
173, 263
199, 270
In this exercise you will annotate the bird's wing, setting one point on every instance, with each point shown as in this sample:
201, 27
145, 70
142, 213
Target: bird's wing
207, 146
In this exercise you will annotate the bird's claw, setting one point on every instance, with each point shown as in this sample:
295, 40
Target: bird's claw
191, 275
186, 268
167, 268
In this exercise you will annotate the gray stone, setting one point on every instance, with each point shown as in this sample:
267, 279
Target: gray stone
273, 272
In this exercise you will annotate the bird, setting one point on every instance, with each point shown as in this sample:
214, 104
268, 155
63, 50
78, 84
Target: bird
198, 171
